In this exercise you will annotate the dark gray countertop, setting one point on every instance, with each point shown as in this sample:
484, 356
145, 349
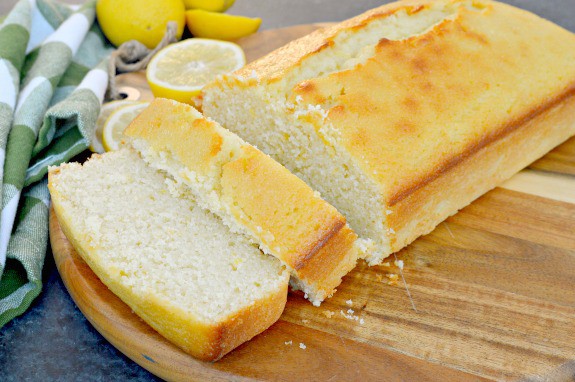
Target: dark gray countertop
53, 341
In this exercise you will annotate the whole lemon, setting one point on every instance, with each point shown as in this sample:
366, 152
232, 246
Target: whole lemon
142, 20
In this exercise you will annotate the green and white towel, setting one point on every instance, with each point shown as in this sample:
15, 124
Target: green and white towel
52, 82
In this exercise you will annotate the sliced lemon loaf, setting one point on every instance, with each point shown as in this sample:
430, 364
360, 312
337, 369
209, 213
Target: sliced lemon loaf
176, 265
405, 114
251, 192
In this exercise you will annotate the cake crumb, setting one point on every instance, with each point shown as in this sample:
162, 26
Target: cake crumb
289, 342
305, 321
302, 345
399, 264
386, 264
392, 279
350, 311
361, 321
388, 212
328, 313
349, 302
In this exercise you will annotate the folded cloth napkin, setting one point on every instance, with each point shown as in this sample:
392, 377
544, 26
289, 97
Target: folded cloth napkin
53, 79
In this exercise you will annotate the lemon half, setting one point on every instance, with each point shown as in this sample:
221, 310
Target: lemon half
181, 70
220, 26
113, 131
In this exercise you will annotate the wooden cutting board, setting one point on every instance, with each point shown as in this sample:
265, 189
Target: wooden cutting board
491, 294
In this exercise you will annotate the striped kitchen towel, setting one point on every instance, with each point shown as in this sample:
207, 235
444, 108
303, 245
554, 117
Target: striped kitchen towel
52, 79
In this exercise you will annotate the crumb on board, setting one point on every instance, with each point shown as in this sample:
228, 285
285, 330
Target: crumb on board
351, 316
328, 313
398, 263
302, 345
386, 264
349, 302
289, 342
392, 279
304, 321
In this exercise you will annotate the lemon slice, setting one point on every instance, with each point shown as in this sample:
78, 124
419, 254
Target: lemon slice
220, 26
107, 109
113, 132
181, 70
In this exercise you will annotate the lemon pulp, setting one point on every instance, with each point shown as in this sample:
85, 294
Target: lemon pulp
180, 70
113, 131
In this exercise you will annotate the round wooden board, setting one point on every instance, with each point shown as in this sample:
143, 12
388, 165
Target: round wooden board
273, 355
473, 315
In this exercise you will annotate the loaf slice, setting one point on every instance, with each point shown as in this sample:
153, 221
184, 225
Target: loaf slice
176, 265
405, 114
251, 192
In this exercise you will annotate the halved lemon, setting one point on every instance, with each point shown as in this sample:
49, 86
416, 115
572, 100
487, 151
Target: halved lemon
220, 26
113, 132
108, 108
181, 70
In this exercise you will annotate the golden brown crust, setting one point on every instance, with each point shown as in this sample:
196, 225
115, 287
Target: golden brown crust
333, 260
275, 65
207, 341
423, 209
454, 97
474, 147
301, 229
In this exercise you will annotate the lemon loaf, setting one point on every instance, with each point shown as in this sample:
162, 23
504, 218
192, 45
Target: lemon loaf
252, 193
176, 265
405, 114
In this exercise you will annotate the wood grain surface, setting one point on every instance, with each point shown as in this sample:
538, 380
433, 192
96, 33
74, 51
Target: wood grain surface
490, 294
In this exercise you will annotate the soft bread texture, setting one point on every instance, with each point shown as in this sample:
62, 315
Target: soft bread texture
176, 265
405, 114
251, 192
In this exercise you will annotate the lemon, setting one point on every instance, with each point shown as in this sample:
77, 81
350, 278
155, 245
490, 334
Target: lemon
113, 131
107, 109
209, 5
142, 20
220, 26
179, 71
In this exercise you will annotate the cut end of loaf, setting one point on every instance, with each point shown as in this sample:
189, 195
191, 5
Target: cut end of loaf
176, 265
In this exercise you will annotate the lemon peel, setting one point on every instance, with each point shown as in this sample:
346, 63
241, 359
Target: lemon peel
209, 5
113, 131
142, 20
220, 26
106, 110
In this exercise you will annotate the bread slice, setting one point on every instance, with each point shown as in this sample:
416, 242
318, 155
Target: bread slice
176, 265
405, 114
251, 192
